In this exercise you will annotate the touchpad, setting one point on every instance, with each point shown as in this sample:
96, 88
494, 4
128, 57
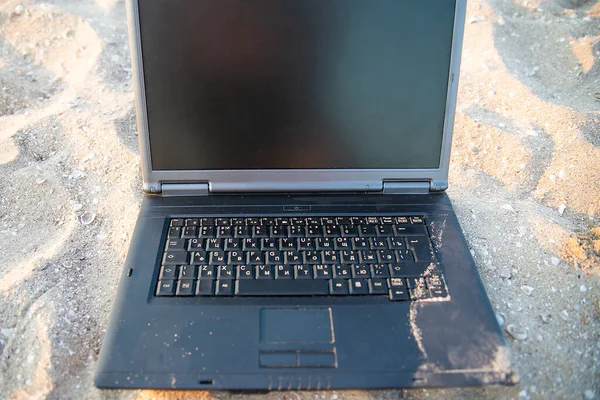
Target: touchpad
296, 325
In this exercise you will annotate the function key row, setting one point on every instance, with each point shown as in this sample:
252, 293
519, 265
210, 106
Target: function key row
295, 231
292, 221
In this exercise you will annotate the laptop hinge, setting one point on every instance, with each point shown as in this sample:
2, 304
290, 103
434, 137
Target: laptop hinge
184, 189
406, 187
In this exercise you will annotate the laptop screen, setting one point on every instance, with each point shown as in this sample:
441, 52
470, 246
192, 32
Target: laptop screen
296, 84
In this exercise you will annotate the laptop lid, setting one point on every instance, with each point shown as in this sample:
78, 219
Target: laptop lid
295, 95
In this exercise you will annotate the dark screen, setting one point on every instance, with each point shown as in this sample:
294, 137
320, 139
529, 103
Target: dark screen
256, 84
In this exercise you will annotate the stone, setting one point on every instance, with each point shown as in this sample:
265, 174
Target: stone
527, 290
516, 332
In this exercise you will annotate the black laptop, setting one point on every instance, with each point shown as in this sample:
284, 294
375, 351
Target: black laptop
295, 232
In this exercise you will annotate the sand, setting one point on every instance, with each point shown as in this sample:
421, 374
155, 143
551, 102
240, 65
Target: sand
525, 181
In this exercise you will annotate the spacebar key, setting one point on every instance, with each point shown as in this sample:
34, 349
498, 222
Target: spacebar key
260, 287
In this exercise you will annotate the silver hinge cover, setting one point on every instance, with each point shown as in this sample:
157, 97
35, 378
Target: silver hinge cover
184, 189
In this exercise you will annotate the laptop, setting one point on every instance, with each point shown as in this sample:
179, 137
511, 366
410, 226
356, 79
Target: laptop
295, 232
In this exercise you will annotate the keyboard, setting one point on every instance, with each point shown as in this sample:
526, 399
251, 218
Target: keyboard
388, 256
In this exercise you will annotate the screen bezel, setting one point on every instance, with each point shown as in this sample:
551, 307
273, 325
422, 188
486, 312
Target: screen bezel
289, 179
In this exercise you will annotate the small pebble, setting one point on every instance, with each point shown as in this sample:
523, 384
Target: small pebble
561, 209
6, 332
516, 332
507, 207
501, 317
583, 288
77, 207
40, 181
531, 132
589, 394
527, 290
19, 9
544, 318
564, 315
87, 217
561, 174
555, 261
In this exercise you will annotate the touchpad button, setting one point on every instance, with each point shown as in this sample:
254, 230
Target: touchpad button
296, 325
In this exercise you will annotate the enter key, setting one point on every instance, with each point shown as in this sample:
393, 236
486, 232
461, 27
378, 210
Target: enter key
421, 246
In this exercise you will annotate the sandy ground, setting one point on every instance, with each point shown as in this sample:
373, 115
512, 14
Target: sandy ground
525, 181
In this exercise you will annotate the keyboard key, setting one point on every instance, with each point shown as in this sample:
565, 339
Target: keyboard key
416, 220
232, 244
188, 272
236, 221
223, 222
378, 244
372, 220
255, 257
267, 221
293, 257
384, 230
207, 232
251, 244
260, 231
323, 272
395, 243
237, 257
264, 272
283, 221
342, 271
404, 256
350, 257
380, 271
224, 231
328, 221
338, 287
177, 244
198, 257
176, 257
367, 231
410, 230
398, 290
197, 244
218, 258
378, 286
177, 222
296, 231
360, 243
190, 232
313, 231
192, 222
284, 272
287, 244
186, 288
361, 271
207, 221
312, 257
168, 272
270, 244
225, 272
214, 244
175, 231
292, 287
274, 257
386, 256
298, 221
387, 220
403, 270
368, 257
421, 248
359, 286
303, 272
342, 243
166, 288
349, 231
245, 272
225, 287
242, 232
331, 257
331, 231
306, 244
205, 287
252, 221
207, 272
413, 282
324, 244
278, 231
343, 221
